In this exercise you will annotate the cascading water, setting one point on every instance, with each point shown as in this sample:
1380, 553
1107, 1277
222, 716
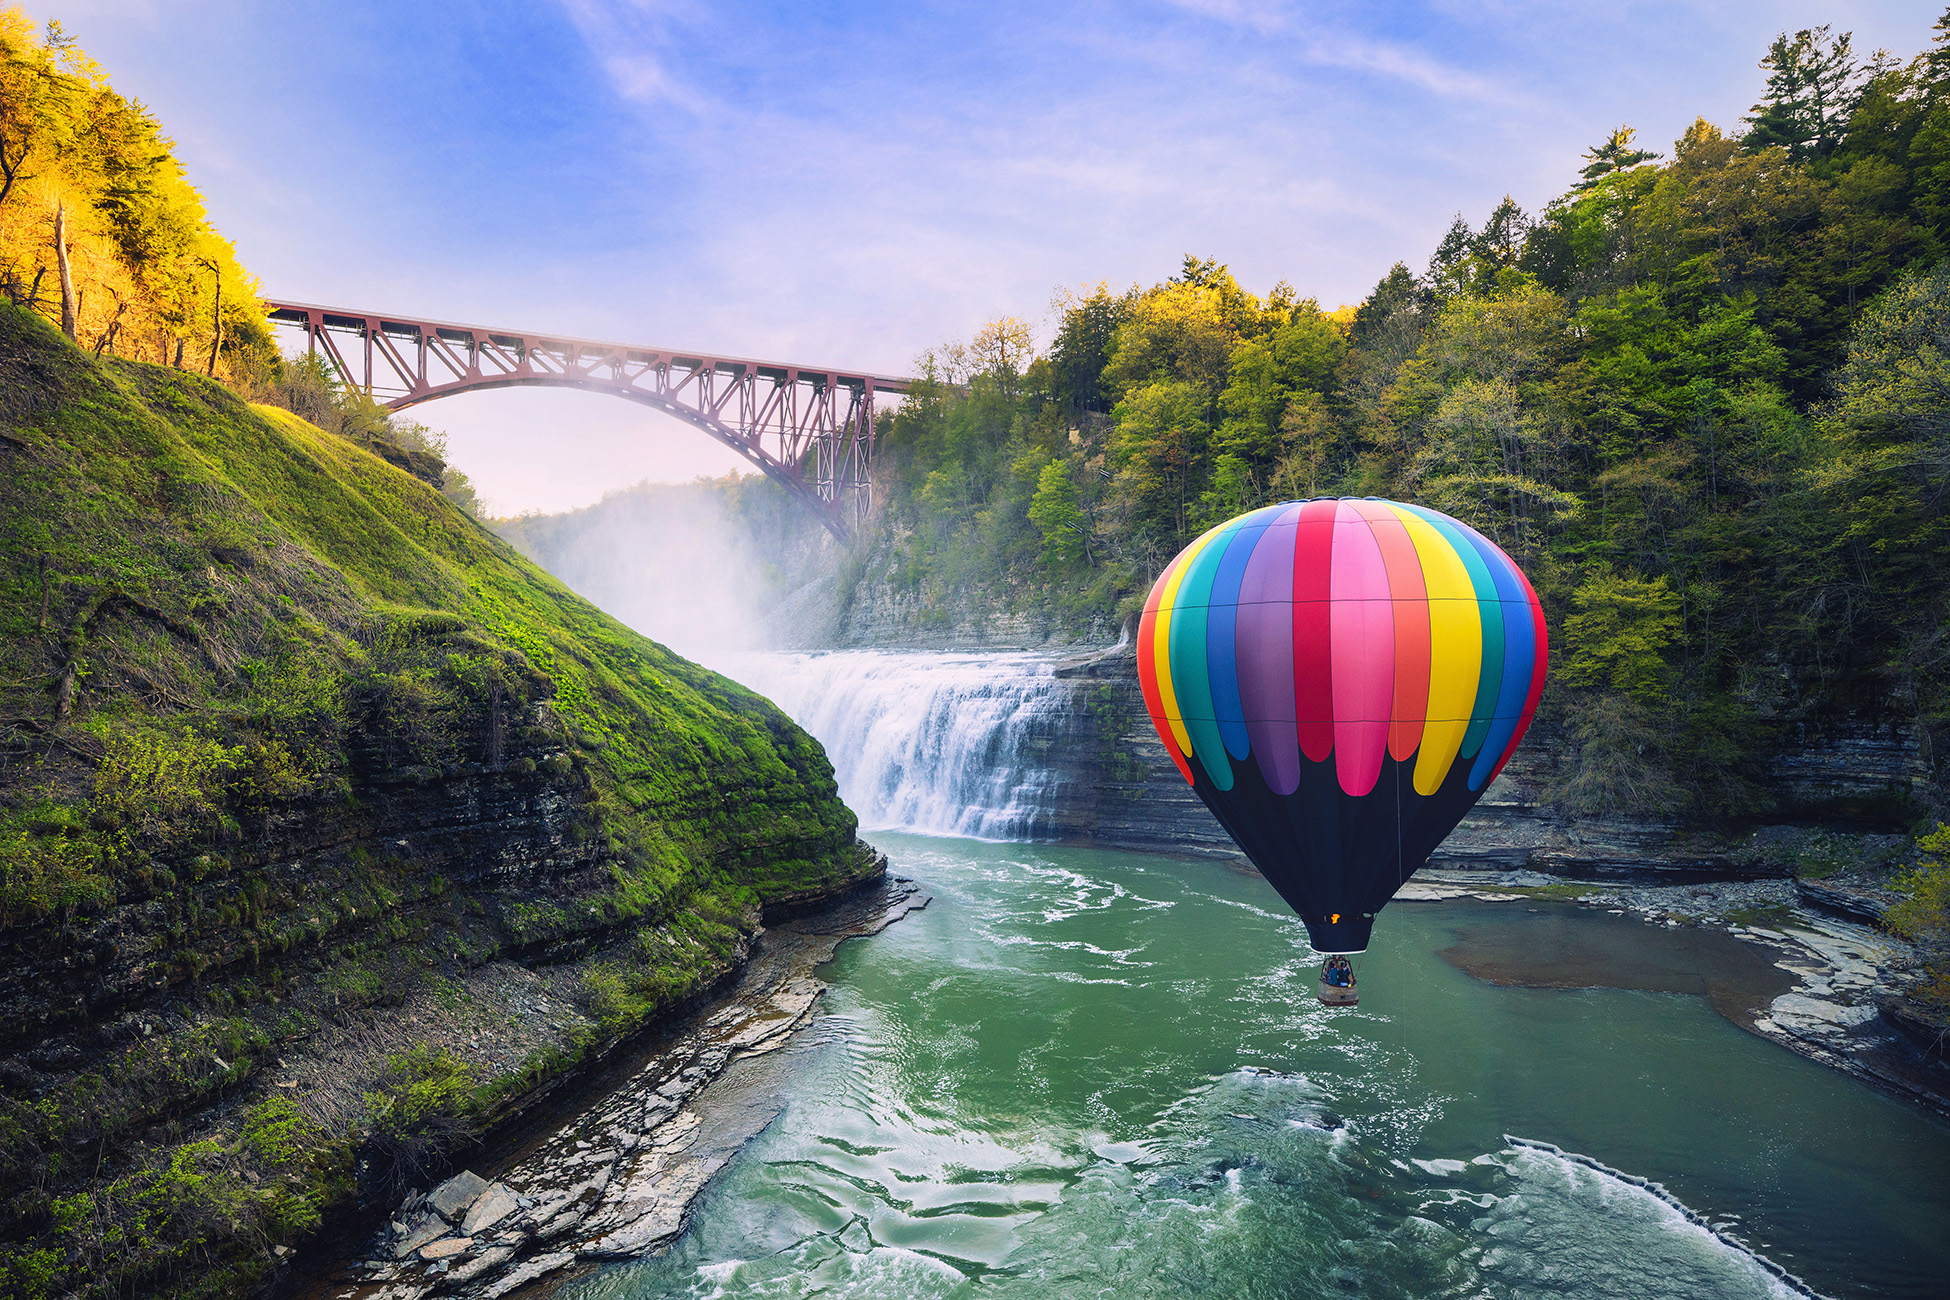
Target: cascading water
946, 744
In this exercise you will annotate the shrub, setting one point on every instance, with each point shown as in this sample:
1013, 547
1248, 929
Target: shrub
163, 788
426, 1109
1923, 917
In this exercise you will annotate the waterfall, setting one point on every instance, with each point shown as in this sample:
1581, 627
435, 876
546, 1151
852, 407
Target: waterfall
945, 743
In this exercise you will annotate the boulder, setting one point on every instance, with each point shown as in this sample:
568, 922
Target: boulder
416, 1232
451, 1199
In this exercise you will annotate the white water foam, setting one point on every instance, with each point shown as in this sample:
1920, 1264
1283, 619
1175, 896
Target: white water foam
943, 744
1676, 1213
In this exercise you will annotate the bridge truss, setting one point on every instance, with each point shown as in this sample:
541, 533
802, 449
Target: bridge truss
809, 428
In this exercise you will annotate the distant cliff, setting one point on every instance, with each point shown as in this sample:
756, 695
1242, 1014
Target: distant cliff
332, 831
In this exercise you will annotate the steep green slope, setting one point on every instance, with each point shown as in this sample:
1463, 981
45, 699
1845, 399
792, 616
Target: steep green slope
288, 743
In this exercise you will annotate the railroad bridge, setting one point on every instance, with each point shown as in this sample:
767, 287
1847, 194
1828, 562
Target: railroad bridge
809, 428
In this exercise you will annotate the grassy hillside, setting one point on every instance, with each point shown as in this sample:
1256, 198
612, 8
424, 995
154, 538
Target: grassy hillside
286, 740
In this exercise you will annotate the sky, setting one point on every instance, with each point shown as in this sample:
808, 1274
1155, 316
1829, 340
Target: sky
850, 184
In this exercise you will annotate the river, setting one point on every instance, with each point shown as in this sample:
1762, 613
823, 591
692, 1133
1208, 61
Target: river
1086, 1073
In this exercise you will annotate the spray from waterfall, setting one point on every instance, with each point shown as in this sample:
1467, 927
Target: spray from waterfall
727, 571
708, 568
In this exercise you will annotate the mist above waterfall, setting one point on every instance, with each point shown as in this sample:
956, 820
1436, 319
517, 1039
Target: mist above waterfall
732, 573
709, 568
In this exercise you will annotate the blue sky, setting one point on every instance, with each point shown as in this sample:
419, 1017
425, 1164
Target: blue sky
850, 184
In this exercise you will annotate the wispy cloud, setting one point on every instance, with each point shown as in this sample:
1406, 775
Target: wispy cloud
633, 42
1259, 17
1313, 44
1413, 68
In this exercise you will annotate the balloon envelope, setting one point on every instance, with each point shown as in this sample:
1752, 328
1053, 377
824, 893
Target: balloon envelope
1340, 680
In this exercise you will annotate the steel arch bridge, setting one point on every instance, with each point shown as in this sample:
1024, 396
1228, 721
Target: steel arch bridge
809, 428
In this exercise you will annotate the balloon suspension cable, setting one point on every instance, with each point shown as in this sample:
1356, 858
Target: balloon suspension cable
1401, 877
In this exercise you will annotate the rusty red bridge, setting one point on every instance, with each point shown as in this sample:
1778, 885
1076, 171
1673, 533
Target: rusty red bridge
809, 428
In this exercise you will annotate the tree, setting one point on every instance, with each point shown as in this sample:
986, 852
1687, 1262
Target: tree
1058, 515
1615, 155
1896, 380
1002, 348
1300, 356
1231, 490
1386, 331
1311, 437
1500, 242
1928, 152
1448, 265
38, 98
1180, 331
108, 208
1468, 261
1619, 634
1482, 417
1812, 85
1086, 329
1159, 440
1923, 916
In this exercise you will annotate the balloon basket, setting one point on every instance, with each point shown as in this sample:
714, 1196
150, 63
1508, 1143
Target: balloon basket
1338, 995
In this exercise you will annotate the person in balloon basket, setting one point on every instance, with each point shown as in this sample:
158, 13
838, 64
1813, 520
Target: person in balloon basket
1339, 972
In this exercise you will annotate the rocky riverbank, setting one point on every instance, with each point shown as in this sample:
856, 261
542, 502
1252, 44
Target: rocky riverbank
616, 1177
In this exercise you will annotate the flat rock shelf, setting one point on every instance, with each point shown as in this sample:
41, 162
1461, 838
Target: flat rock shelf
617, 1179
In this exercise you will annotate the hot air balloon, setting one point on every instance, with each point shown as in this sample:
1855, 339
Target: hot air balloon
1340, 680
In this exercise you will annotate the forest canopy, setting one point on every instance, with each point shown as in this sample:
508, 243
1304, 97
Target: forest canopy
1703, 397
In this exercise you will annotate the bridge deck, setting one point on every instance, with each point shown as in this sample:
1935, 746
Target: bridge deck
811, 428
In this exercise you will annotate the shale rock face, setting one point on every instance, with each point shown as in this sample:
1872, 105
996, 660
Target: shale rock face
332, 832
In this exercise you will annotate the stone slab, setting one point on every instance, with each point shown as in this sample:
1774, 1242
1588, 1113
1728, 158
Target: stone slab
451, 1199
492, 1206
418, 1232
447, 1246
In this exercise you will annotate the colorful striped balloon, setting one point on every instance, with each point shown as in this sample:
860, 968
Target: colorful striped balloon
1340, 680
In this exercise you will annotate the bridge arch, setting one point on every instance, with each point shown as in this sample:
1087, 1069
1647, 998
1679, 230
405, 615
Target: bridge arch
808, 428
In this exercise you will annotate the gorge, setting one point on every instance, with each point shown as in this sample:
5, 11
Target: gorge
766, 886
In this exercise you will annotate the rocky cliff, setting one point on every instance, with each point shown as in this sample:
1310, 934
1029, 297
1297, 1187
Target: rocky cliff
332, 832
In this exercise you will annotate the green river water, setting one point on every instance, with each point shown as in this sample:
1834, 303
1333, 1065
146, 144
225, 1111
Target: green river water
1083, 1073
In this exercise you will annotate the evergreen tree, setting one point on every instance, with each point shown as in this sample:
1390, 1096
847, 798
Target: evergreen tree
1501, 241
1447, 270
1812, 86
1616, 154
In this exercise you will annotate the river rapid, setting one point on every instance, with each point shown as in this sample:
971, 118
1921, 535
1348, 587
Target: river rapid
1085, 1073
